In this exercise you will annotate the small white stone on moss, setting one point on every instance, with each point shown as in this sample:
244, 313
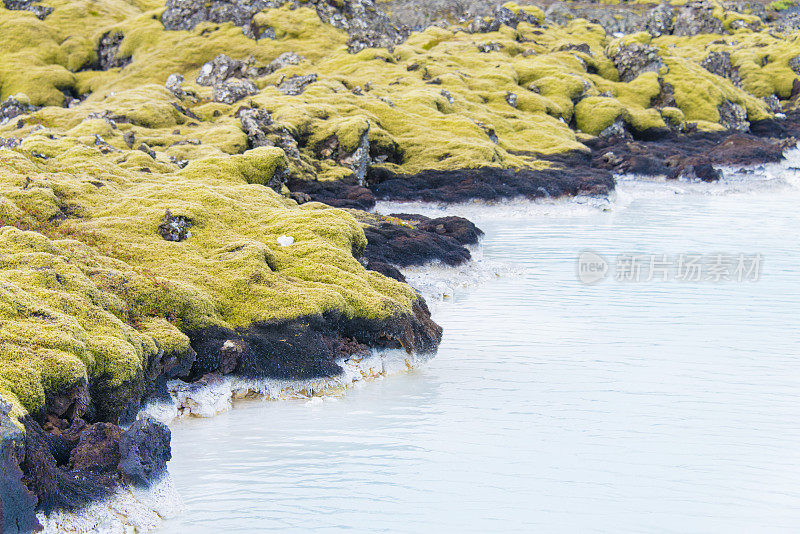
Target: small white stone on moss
285, 240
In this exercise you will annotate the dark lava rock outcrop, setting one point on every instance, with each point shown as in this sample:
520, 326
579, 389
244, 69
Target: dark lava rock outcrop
144, 450
417, 240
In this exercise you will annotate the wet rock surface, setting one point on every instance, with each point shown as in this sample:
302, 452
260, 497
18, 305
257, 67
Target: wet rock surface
490, 183
97, 450
696, 155
339, 194
66, 465
144, 450
17, 502
403, 240
663, 152
307, 347
48, 477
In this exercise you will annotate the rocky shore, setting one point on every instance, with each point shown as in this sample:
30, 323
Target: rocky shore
186, 186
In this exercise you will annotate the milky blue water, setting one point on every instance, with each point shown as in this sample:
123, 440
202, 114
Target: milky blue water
552, 406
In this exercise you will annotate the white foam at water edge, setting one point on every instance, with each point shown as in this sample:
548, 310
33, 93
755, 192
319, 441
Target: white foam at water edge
130, 509
518, 208
769, 177
438, 282
754, 179
206, 399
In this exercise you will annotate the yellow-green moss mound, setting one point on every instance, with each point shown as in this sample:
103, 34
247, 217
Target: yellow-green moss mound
91, 287
90, 290
440, 98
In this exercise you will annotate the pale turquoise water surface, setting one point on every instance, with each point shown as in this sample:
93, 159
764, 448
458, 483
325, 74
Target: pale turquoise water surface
552, 406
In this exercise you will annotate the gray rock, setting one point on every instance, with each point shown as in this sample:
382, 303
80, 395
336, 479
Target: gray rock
788, 21
616, 129
503, 15
696, 19
174, 228
147, 150
129, 138
220, 69
17, 503
773, 103
733, 116
794, 64
719, 63
262, 131
359, 159
144, 451
511, 98
186, 14
666, 96
107, 52
483, 25
445, 93
583, 48
489, 131
295, 85
33, 6
173, 85
634, 59
746, 6
614, 21
559, 14
366, 24
256, 123
11, 108
659, 20
284, 60
489, 47
233, 90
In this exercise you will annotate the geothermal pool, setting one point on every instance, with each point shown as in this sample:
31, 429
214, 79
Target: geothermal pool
553, 405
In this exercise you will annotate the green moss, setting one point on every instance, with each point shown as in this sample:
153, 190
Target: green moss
781, 5
673, 116
594, 114
255, 166
691, 81
528, 9
91, 290
171, 340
